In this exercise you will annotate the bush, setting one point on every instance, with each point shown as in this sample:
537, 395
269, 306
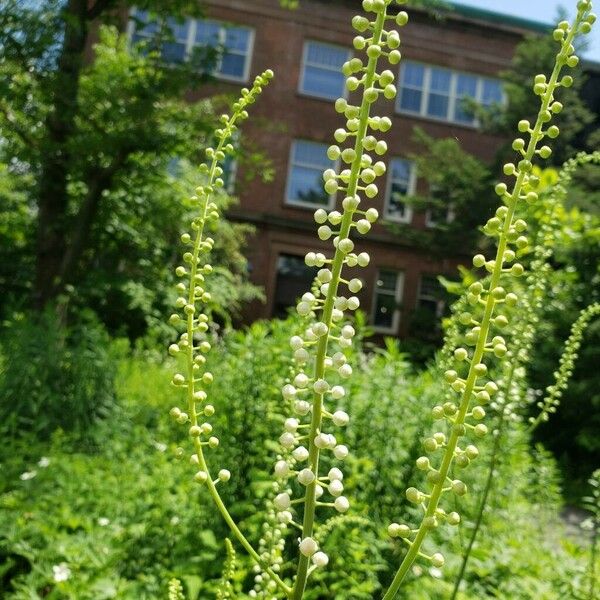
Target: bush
53, 376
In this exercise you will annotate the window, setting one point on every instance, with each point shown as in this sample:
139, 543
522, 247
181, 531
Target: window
386, 302
234, 42
401, 183
293, 279
431, 295
308, 160
321, 70
444, 94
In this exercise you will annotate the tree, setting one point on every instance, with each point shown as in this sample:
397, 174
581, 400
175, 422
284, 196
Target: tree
533, 55
89, 132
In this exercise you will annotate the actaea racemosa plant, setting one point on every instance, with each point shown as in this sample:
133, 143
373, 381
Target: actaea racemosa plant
315, 393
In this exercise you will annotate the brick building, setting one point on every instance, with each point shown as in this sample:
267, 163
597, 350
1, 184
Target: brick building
443, 61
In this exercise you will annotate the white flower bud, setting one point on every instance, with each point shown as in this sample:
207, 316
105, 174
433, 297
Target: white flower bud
300, 453
306, 477
301, 380
341, 504
322, 441
282, 469
320, 216
320, 559
339, 359
303, 308
355, 285
363, 226
308, 546
324, 275
336, 487
320, 386
296, 342
337, 392
285, 517
353, 303
346, 245
320, 329
363, 259
301, 407
340, 452
224, 475
287, 440
301, 355
348, 331
282, 501
318, 491
288, 391
345, 370
340, 418
335, 474
291, 425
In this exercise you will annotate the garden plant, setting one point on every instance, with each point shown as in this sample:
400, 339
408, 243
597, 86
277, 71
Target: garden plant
487, 344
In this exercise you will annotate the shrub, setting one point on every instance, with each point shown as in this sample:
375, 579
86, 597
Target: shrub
53, 376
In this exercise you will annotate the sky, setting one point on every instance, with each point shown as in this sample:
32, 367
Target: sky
540, 10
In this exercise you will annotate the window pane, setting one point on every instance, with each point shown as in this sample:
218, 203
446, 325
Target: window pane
326, 55
396, 209
410, 100
207, 33
466, 87
492, 91
311, 153
385, 307
387, 280
306, 185
413, 74
173, 52
438, 106
178, 30
400, 169
321, 82
322, 70
237, 38
440, 80
293, 279
232, 65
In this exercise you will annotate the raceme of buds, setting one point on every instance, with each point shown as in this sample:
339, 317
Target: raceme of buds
468, 379
193, 343
316, 391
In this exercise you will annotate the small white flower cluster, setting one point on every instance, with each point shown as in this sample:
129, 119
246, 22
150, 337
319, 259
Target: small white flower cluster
316, 392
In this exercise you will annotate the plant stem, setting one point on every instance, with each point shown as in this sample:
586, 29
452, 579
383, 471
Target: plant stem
511, 203
484, 496
338, 263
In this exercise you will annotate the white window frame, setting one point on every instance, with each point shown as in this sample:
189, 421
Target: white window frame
191, 44
440, 304
299, 203
398, 295
412, 186
305, 62
452, 98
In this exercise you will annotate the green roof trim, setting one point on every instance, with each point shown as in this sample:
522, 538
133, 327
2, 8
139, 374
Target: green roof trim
499, 18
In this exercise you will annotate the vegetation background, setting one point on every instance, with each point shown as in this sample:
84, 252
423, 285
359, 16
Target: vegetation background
93, 505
